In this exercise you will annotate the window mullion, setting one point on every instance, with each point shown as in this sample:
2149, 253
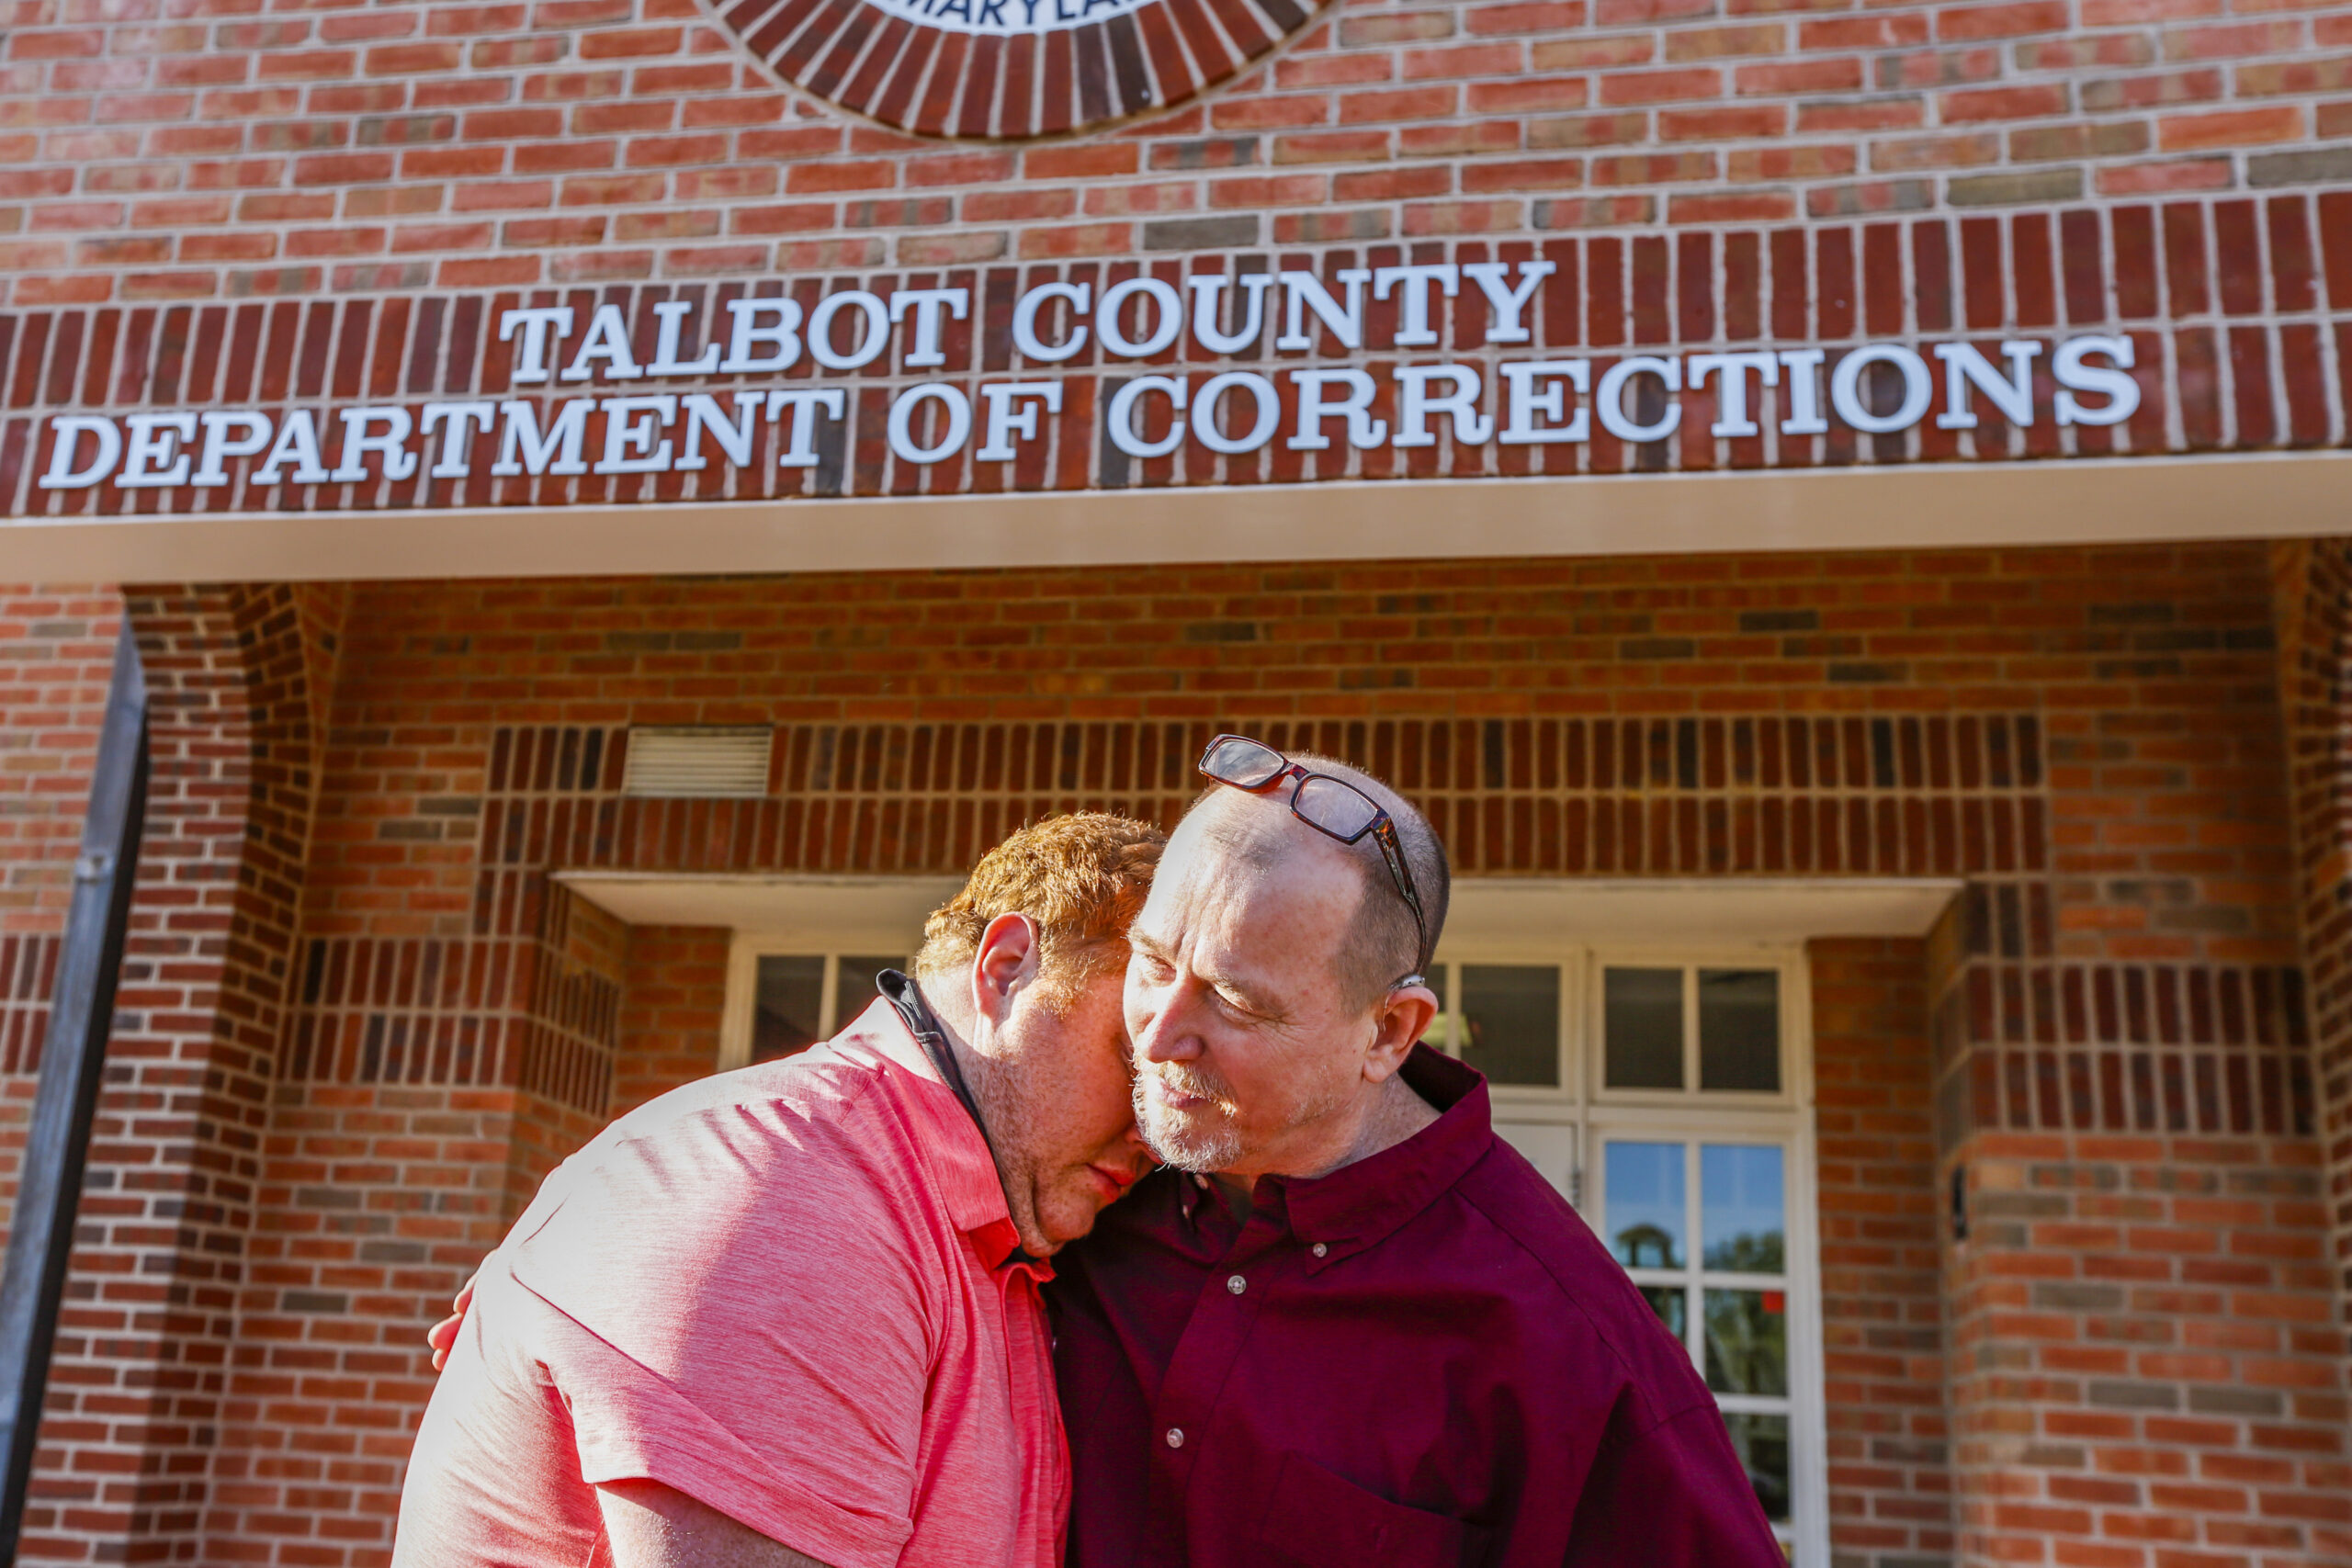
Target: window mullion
1689, 1029
1694, 1298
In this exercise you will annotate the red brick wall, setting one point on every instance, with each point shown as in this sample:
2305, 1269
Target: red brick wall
2314, 586
374, 1201
1881, 1299
2145, 840
2144, 1356
2091, 737
2146, 1363
56, 652
2233, 308
145, 1333
214, 155
669, 1011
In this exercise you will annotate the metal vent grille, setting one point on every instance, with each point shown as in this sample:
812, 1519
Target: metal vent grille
699, 762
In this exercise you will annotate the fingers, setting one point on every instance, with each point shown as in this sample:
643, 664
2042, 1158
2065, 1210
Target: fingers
443, 1334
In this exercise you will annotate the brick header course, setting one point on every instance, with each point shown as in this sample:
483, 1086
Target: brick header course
2238, 314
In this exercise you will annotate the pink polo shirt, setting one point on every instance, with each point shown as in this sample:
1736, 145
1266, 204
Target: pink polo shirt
784, 1291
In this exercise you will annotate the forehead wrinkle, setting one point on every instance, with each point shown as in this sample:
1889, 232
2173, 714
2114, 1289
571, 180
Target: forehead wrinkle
1247, 884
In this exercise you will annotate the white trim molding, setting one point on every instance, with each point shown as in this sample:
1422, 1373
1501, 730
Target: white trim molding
1499, 915
1909, 506
824, 913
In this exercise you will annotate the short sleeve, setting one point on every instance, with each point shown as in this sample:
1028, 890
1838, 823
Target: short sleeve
1672, 1497
740, 1313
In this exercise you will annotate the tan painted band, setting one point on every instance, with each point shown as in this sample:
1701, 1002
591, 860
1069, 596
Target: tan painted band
2078, 501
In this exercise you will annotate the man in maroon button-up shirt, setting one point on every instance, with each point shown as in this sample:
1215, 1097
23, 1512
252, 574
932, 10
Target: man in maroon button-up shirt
1349, 1327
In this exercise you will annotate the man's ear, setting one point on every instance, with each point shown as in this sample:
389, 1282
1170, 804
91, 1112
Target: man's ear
1007, 961
1404, 1015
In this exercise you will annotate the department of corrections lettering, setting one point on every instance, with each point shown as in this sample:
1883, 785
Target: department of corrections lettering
1527, 398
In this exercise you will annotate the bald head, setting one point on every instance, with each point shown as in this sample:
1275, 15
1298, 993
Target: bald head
1270, 1029
1383, 943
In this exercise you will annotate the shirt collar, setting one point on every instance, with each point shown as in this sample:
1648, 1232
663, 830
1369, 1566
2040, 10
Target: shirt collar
959, 1155
1359, 1205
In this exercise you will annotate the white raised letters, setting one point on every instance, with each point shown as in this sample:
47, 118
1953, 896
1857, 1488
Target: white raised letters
752, 328
608, 341
1526, 402
297, 443
2074, 375
632, 426
458, 420
66, 431
1610, 401
1845, 387
391, 444
1414, 405
955, 411
822, 345
523, 449
1303, 291
1335, 408
672, 315
1025, 321
1413, 331
1122, 416
535, 323
733, 435
806, 403
156, 439
1166, 315
1013, 411
1507, 302
1205, 411
212, 466
1732, 371
1206, 332
1965, 366
925, 305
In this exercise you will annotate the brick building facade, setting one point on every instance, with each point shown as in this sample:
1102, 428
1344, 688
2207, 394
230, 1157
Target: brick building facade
2035, 610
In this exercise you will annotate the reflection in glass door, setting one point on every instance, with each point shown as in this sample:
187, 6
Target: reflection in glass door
1701, 1228
799, 998
1506, 1019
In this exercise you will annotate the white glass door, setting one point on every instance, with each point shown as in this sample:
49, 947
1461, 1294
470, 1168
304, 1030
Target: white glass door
1701, 1225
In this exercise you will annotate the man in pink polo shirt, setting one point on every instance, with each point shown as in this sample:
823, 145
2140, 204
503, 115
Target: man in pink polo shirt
789, 1315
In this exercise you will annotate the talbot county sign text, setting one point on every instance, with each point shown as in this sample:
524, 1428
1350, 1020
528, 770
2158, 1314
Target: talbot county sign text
1532, 400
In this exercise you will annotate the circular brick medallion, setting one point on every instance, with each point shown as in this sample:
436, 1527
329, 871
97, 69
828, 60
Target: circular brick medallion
1008, 70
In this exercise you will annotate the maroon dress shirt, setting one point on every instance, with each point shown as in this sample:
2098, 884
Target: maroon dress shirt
1424, 1358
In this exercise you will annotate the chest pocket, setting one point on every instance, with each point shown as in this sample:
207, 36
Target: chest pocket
1313, 1520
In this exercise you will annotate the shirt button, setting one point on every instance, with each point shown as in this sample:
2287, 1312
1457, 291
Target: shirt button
1175, 1437
1236, 1284
1320, 1249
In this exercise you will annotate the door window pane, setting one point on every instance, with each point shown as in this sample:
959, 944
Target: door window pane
1641, 1026
1739, 1030
1762, 1444
1748, 1342
1511, 1016
1741, 1224
1671, 1303
791, 996
1644, 1200
853, 990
